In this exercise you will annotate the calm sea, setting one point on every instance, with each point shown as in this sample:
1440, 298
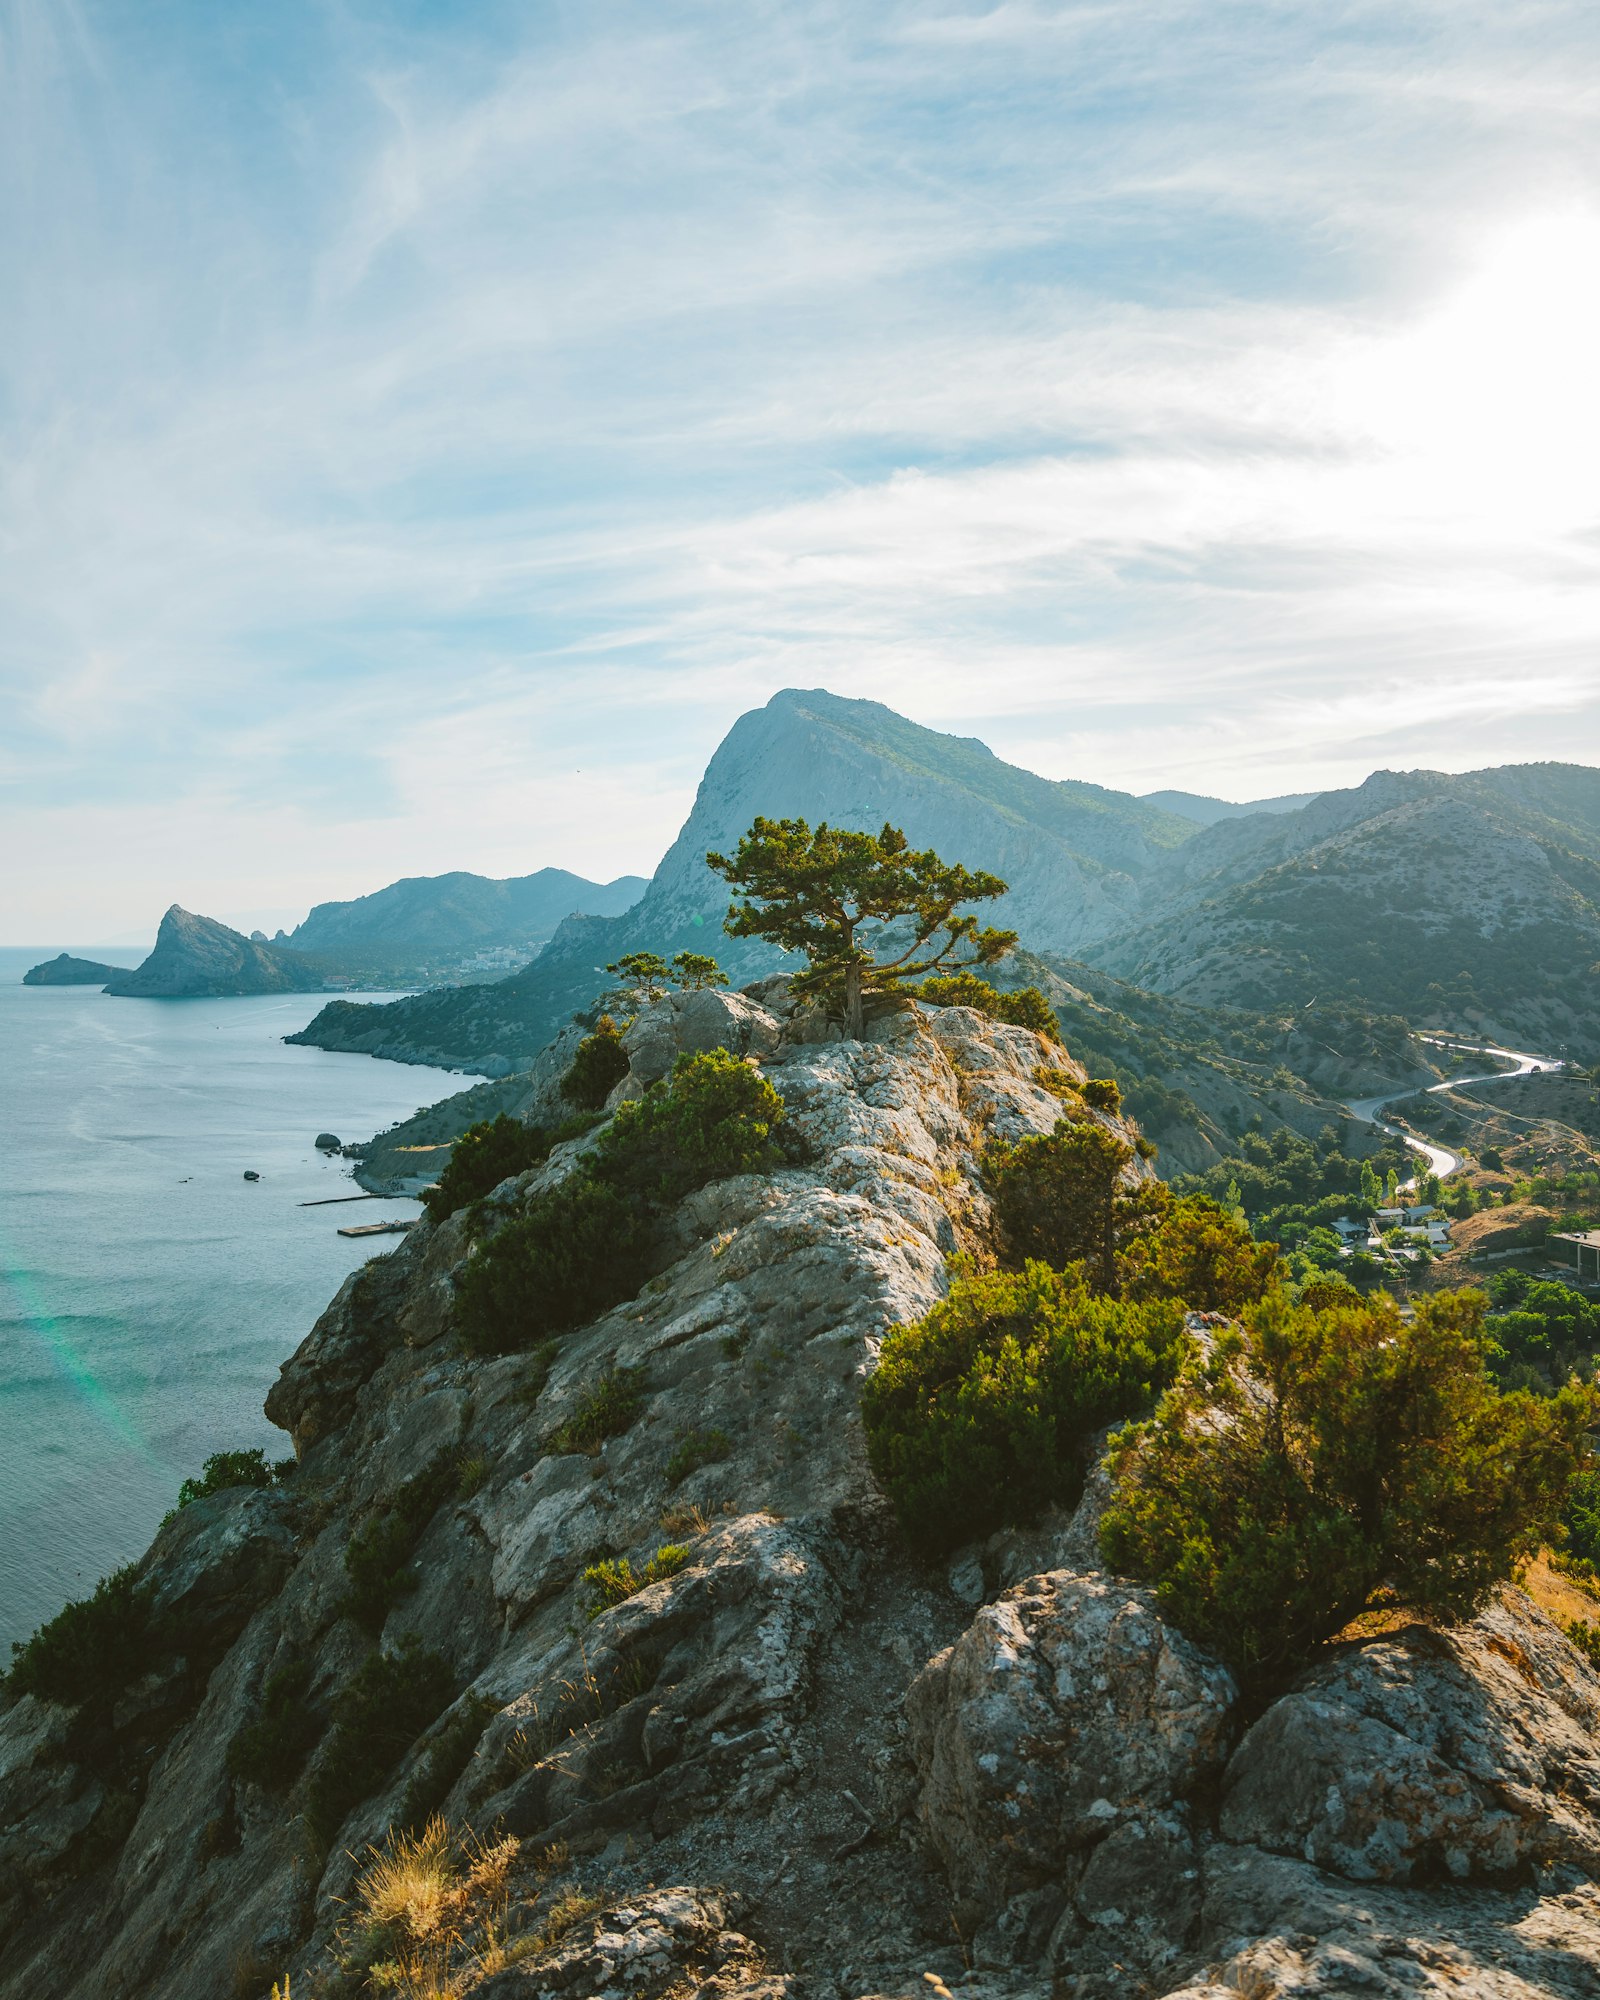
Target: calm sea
148, 1292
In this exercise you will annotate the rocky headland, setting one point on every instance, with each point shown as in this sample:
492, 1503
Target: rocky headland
774, 1758
65, 970
197, 957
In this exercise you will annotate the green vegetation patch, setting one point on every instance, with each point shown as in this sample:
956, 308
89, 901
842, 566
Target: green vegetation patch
1544, 1332
608, 1409
389, 1701
583, 1246
94, 1648
1056, 1197
598, 1067
378, 1554
979, 1413
224, 1470
271, 1747
615, 1579
695, 1449
495, 1150
1331, 1458
1025, 1007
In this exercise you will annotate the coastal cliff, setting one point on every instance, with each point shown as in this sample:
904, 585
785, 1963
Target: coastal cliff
628, 1612
197, 957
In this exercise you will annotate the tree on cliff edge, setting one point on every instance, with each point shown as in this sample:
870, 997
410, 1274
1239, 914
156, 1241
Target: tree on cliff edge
826, 892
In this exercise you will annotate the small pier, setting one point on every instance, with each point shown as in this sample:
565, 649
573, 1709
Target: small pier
376, 1228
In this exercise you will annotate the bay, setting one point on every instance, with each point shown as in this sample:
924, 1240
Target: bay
148, 1292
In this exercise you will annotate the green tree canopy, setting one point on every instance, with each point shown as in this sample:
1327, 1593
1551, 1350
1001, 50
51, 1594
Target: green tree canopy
829, 892
644, 976
1056, 1198
1330, 1458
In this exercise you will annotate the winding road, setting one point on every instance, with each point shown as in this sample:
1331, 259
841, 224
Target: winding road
1441, 1160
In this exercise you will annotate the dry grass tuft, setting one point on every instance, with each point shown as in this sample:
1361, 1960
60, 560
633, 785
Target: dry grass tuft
427, 1912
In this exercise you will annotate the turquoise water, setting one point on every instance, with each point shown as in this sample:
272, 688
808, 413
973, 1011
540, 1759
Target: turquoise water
148, 1292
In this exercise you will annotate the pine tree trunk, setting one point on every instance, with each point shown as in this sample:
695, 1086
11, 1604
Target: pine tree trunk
855, 1018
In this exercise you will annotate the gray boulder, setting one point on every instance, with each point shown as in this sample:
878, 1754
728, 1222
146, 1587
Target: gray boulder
1472, 1755
1066, 1710
684, 1024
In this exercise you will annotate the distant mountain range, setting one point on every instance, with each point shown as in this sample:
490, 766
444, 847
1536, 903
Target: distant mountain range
1078, 858
424, 928
1206, 812
1470, 900
1452, 901
430, 920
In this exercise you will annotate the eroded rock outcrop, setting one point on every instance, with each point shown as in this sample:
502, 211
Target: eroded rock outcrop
771, 1758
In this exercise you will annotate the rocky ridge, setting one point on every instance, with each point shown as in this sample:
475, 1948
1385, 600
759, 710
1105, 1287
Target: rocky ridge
797, 1764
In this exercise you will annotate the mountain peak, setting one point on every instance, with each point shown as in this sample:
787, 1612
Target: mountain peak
196, 957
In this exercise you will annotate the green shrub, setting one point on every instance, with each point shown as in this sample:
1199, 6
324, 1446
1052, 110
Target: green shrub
1327, 1460
598, 1067
979, 1413
1585, 1635
93, 1648
584, 1245
1103, 1093
615, 1579
486, 1154
389, 1701
717, 1116
226, 1469
1026, 1007
270, 1748
695, 1449
1056, 1197
1201, 1254
605, 1412
377, 1555
1581, 1517
575, 1250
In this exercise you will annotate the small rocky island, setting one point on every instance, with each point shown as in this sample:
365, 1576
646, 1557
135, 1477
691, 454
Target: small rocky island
66, 970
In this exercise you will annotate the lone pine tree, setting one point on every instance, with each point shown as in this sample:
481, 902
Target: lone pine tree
827, 892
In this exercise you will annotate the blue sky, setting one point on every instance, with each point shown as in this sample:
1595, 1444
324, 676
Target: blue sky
424, 429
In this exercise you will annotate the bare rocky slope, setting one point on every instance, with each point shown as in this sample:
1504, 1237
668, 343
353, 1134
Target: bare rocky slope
1470, 900
799, 1765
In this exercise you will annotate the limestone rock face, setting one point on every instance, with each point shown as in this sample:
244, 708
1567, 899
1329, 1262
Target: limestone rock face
217, 1559
1471, 1755
1067, 1712
643, 1947
690, 1024
742, 1746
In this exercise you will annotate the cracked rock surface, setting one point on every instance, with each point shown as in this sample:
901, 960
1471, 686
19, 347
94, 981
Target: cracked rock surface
795, 1764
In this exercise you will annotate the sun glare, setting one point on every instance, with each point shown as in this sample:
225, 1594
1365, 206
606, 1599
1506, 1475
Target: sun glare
1492, 402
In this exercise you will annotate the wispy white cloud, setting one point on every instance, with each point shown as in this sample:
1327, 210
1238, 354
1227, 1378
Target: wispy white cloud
417, 444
